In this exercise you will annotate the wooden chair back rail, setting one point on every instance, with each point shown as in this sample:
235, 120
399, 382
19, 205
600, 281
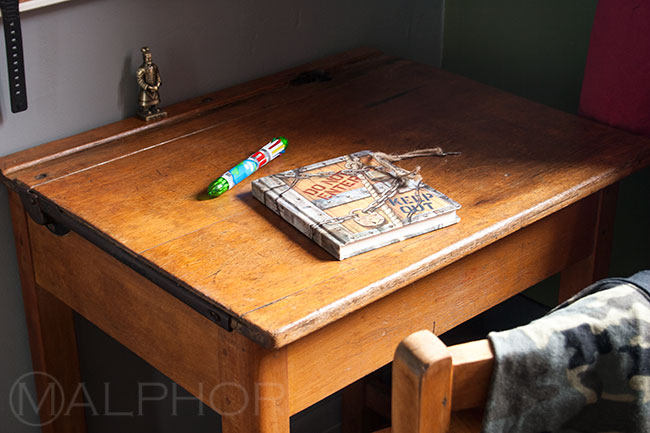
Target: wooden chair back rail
472, 373
430, 379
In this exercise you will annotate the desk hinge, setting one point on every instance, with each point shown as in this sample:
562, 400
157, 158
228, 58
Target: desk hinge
32, 205
46, 213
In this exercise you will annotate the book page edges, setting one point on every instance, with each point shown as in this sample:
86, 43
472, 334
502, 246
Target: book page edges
295, 217
397, 235
265, 194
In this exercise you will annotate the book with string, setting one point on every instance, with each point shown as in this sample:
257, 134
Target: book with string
358, 202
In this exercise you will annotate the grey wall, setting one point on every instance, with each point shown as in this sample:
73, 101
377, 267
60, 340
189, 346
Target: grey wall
80, 58
81, 55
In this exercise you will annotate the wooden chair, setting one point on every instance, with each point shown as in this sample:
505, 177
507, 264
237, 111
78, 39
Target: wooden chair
439, 389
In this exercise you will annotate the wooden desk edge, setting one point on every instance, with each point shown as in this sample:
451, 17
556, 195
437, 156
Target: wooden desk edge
270, 338
247, 324
296, 330
177, 112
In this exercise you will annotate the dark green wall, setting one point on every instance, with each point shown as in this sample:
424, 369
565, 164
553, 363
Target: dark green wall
533, 48
537, 49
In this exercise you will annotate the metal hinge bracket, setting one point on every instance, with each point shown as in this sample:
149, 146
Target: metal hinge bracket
32, 206
46, 213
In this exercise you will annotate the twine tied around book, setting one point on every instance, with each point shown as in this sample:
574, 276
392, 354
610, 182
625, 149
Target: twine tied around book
434, 151
386, 159
399, 178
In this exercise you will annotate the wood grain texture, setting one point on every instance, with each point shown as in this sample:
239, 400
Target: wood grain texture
337, 355
52, 340
84, 142
199, 129
595, 266
268, 410
231, 374
154, 325
421, 389
521, 162
473, 365
430, 380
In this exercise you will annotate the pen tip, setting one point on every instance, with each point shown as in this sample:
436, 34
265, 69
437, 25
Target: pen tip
218, 187
284, 141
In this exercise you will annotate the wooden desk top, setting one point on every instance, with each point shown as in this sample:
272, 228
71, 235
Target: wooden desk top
132, 188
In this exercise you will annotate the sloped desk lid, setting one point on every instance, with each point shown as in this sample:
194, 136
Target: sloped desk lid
132, 187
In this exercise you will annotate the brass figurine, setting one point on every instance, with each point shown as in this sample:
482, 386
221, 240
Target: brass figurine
149, 81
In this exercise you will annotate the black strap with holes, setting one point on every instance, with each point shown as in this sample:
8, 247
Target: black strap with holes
15, 63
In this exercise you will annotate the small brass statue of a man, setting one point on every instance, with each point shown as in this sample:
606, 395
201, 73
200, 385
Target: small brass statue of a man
149, 81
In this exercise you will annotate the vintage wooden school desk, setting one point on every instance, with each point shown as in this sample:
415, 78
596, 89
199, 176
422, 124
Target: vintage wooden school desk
237, 306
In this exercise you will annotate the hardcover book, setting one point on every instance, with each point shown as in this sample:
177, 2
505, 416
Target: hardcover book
355, 203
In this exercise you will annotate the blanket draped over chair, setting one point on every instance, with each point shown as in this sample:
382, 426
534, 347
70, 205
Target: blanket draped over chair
584, 367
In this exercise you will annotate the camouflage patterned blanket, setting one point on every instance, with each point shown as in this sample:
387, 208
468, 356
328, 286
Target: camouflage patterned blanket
584, 367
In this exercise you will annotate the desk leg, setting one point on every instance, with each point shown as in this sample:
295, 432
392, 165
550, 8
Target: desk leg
52, 341
262, 376
596, 265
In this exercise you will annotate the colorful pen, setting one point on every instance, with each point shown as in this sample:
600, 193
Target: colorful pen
250, 165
